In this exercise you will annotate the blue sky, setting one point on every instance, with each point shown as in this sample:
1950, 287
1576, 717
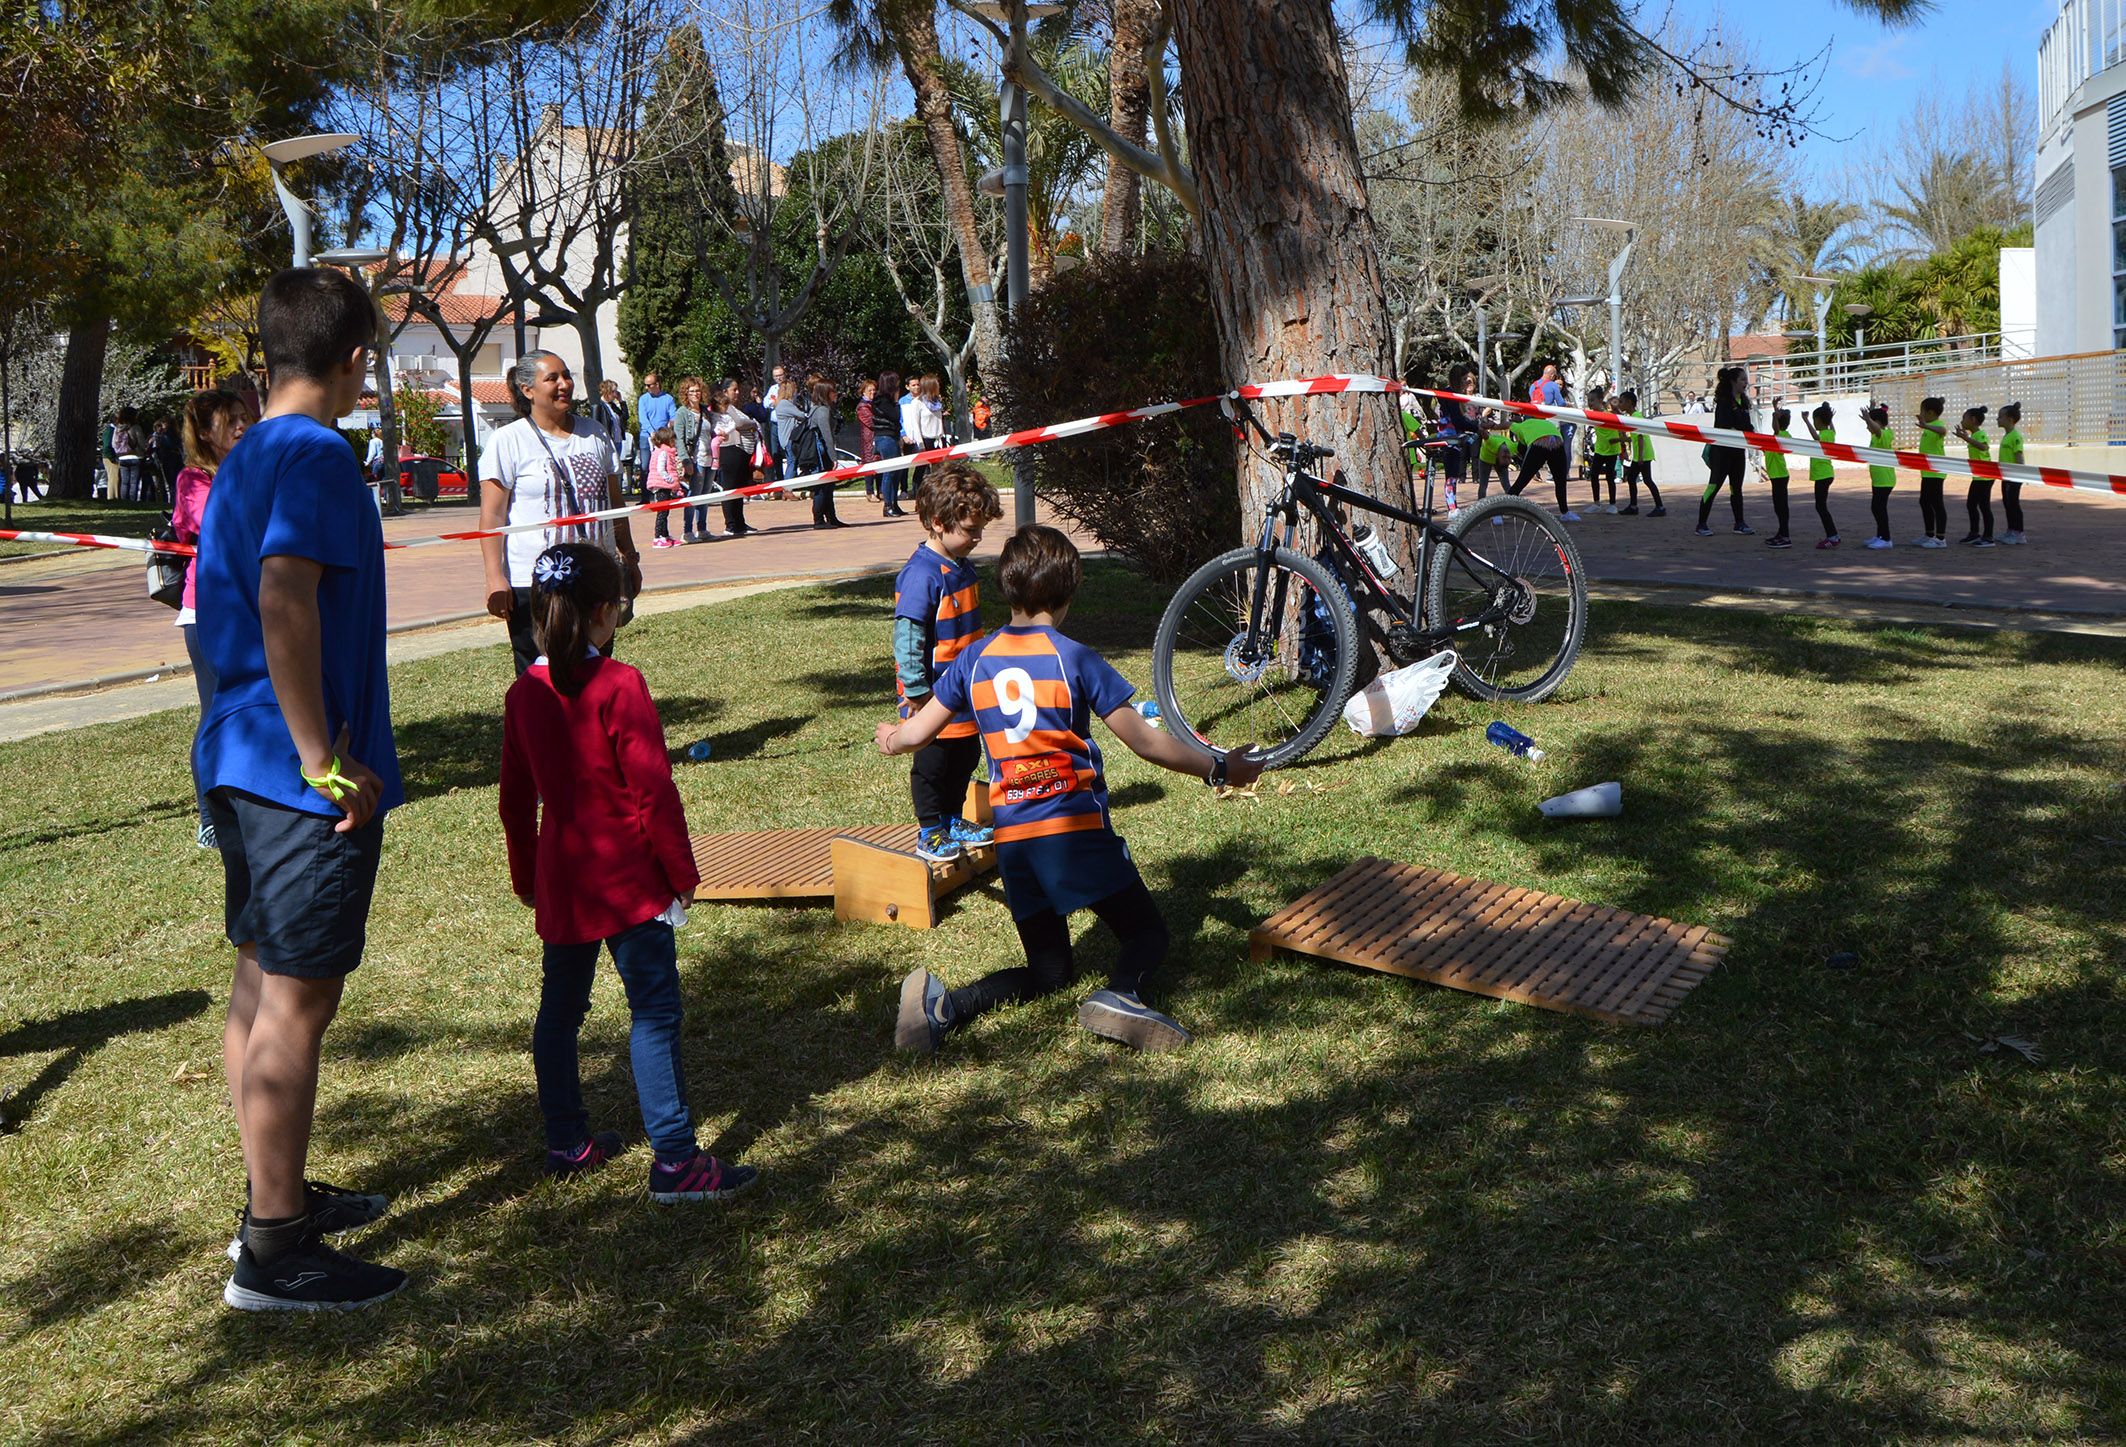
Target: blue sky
1876, 74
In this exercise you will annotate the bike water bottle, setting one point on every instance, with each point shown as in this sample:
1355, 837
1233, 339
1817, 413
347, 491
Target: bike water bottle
699, 750
1149, 712
1513, 741
1373, 550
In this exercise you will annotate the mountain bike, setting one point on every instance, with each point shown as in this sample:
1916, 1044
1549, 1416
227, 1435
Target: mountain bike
1267, 642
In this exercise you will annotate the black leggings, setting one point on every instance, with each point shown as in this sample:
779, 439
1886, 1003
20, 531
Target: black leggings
735, 465
1779, 503
1140, 948
1726, 469
1933, 512
1879, 504
2012, 505
1636, 473
1603, 466
1503, 466
938, 779
1978, 502
1555, 455
1823, 507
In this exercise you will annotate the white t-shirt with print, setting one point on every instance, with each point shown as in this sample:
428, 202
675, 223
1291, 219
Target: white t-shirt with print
540, 472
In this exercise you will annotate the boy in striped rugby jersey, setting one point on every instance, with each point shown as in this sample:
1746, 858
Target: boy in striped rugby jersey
937, 614
1034, 694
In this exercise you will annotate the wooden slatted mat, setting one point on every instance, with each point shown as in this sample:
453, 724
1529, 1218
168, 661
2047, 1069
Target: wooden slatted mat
782, 863
1489, 939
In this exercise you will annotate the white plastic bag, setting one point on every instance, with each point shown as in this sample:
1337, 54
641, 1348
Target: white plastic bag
1395, 703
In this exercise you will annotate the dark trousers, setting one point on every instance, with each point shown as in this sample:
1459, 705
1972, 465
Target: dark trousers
522, 644
823, 504
1933, 508
889, 483
647, 958
1879, 505
1726, 471
1140, 948
938, 778
1502, 465
735, 466
1823, 507
1604, 466
2012, 505
1636, 473
1978, 502
1548, 451
1779, 509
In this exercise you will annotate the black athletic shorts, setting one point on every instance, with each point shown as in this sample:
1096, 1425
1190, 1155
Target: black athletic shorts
293, 886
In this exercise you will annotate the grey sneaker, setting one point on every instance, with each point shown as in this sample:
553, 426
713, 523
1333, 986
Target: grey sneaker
921, 1023
1113, 1015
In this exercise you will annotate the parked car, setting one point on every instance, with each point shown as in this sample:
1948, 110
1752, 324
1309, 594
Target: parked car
431, 478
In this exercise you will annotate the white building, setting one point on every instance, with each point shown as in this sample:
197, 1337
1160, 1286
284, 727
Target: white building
2081, 180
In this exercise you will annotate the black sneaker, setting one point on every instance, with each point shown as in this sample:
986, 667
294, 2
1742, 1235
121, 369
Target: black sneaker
312, 1277
601, 1147
1782, 541
332, 1209
1659, 512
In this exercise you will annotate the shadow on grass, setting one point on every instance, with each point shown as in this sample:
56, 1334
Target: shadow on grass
79, 1034
1360, 1207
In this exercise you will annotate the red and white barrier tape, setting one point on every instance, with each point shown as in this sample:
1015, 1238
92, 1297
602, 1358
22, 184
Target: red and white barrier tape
1356, 383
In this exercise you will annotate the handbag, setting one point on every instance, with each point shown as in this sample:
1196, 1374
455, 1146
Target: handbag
166, 571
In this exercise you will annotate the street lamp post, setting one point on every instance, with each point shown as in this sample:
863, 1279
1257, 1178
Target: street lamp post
297, 148
1617, 264
1018, 268
1485, 285
1823, 285
1859, 311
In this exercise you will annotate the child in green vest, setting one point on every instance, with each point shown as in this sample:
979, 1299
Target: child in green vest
1542, 444
2012, 491
1821, 472
1608, 458
1494, 453
1882, 477
1639, 447
1978, 500
1774, 466
1933, 442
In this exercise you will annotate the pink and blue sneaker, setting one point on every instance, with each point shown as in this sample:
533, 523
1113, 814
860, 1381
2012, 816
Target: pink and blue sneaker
600, 1147
703, 1178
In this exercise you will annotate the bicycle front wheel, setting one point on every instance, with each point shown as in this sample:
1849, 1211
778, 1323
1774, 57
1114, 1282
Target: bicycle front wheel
1515, 567
1274, 675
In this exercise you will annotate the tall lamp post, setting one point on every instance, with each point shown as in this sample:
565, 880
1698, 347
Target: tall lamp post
1485, 285
1859, 311
299, 148
1617, 264
356, 259
1823, 285
1012, 179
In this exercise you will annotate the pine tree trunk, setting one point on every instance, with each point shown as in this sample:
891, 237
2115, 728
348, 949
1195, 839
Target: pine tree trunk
1288, 238
77, 431
1128, 110
915, 40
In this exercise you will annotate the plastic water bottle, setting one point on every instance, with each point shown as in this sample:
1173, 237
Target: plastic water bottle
1148, 710
1453, 504
699, 751
1513, 741
1374, 551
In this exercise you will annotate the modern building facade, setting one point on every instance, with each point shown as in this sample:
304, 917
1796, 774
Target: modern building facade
2081, 180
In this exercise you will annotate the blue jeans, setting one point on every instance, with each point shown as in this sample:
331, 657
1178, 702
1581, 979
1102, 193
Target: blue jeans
647, 958
889, 482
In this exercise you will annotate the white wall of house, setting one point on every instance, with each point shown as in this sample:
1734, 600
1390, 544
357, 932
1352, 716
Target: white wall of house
2081, 196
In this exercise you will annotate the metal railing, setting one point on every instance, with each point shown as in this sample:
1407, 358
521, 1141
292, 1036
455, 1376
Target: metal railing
1843, 370
2069, 401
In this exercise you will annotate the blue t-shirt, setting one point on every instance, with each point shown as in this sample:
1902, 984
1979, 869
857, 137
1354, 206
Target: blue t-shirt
651, 413
291, 488
1035, 694
942, 596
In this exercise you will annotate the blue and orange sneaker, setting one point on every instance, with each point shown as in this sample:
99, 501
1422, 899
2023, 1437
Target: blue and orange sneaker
935, 845
704, 1178
970, 835
1114, 1015
601, 1147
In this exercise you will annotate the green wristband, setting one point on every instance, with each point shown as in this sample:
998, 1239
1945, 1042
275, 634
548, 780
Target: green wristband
335, 784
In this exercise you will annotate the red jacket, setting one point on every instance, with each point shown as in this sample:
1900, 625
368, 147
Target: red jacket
610, 849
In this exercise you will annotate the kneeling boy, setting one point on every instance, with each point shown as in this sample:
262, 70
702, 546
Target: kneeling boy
1034, 694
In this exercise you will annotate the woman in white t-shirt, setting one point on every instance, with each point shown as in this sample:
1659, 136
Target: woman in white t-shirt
549, 463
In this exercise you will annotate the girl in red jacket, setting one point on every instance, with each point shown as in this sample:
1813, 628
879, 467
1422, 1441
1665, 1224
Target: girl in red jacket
605, 859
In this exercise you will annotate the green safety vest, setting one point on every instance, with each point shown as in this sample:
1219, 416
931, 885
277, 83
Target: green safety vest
1528, 429
1488, 450
1775, 462
1977, 446
1932, 443
1642, 444
1608, 442
2012, 445
1821, 468
1878, 475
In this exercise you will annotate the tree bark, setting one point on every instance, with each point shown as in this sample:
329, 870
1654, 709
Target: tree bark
77, 431
1128, 109
1288, 237
915, 39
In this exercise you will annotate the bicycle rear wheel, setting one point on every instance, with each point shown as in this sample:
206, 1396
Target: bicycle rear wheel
1281, 693
1518, 561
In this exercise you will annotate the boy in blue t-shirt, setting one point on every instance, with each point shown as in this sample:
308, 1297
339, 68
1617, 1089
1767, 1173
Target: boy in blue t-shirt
1034, 694
296, 759
937, 615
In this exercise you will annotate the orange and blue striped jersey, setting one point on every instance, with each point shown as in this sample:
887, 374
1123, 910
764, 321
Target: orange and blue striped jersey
944, 597
1035, 694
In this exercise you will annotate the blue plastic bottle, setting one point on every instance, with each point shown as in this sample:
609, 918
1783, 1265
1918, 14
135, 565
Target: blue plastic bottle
699, 750
1148, 710
1513, 741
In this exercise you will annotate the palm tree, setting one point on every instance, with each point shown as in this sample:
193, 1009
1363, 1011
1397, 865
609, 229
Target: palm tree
1952, 194
1060, 155
1809, 238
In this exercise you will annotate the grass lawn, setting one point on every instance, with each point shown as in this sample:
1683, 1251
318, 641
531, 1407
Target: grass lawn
1808, 1207
115, 519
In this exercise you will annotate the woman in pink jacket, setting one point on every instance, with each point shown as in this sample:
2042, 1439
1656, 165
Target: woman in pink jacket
213, 423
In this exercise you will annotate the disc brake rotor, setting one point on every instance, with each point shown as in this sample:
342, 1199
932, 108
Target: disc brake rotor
1239, 667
